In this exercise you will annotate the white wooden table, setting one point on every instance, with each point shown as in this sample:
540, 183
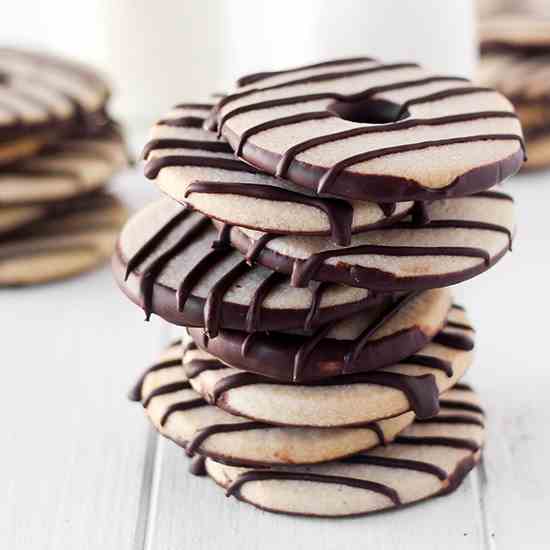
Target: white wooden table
81, 469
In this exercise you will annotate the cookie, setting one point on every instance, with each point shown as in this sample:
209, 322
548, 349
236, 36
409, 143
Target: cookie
182, 415
63, 245
190, 165
364, 341
172, 261
524, 33
524, 79
63, 171
42, 98
362, 129
430, 458
464, 237
411, 384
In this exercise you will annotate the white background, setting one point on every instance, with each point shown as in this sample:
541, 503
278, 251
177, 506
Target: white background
160, 53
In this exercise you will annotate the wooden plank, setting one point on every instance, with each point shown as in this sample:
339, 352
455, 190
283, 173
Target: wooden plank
74, 451
509, 308
192, 512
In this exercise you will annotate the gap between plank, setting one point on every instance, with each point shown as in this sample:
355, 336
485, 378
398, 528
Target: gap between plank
151, 474
480, 483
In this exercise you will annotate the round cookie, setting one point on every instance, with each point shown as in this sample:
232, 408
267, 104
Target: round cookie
172, 261
361, 129
429, 459
63, 171
43, 97
63, 245
412, 384
190, 165
361, 342
179, 413
464, 237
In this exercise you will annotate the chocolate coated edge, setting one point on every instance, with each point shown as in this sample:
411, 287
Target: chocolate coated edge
376, 280
380, 188
273, 355
455, 480
164, 304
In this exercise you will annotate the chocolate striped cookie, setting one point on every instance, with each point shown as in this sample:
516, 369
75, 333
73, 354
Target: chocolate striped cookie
362, 129
192, 166
429, 459
181, 414
43, 98
414, 383
171, 261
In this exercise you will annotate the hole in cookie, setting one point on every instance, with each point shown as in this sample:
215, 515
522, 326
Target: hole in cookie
371, 111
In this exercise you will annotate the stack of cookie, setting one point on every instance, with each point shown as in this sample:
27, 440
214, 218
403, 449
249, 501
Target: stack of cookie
314, 219
515, 59
58, 149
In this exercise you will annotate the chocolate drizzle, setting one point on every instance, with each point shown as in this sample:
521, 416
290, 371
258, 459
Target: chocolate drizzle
135, 393
201, 435
291, 153
338, 212
329, 177
197, 466
257, 77
261, 475
182, 122
303, 271
188, 231
454, 442
400, 463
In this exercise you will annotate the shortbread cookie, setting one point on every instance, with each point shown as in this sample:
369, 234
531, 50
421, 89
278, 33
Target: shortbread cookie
464, 237
364, 341
63, 245
190, 165
44, 97
524, 79
429, 459
182, 415
361, 129
412, 384
171, 261
63, 171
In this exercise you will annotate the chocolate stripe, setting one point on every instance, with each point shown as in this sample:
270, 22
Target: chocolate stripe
173, 143
330, 176
234, 487
338, 212
292, 152
454, 442
399, 463
257, 77
135, 393
182, 406
164, 390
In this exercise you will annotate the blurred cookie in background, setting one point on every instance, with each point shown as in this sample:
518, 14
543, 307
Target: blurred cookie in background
63, 242
515, 59
59, 148
64, 170
44, 98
